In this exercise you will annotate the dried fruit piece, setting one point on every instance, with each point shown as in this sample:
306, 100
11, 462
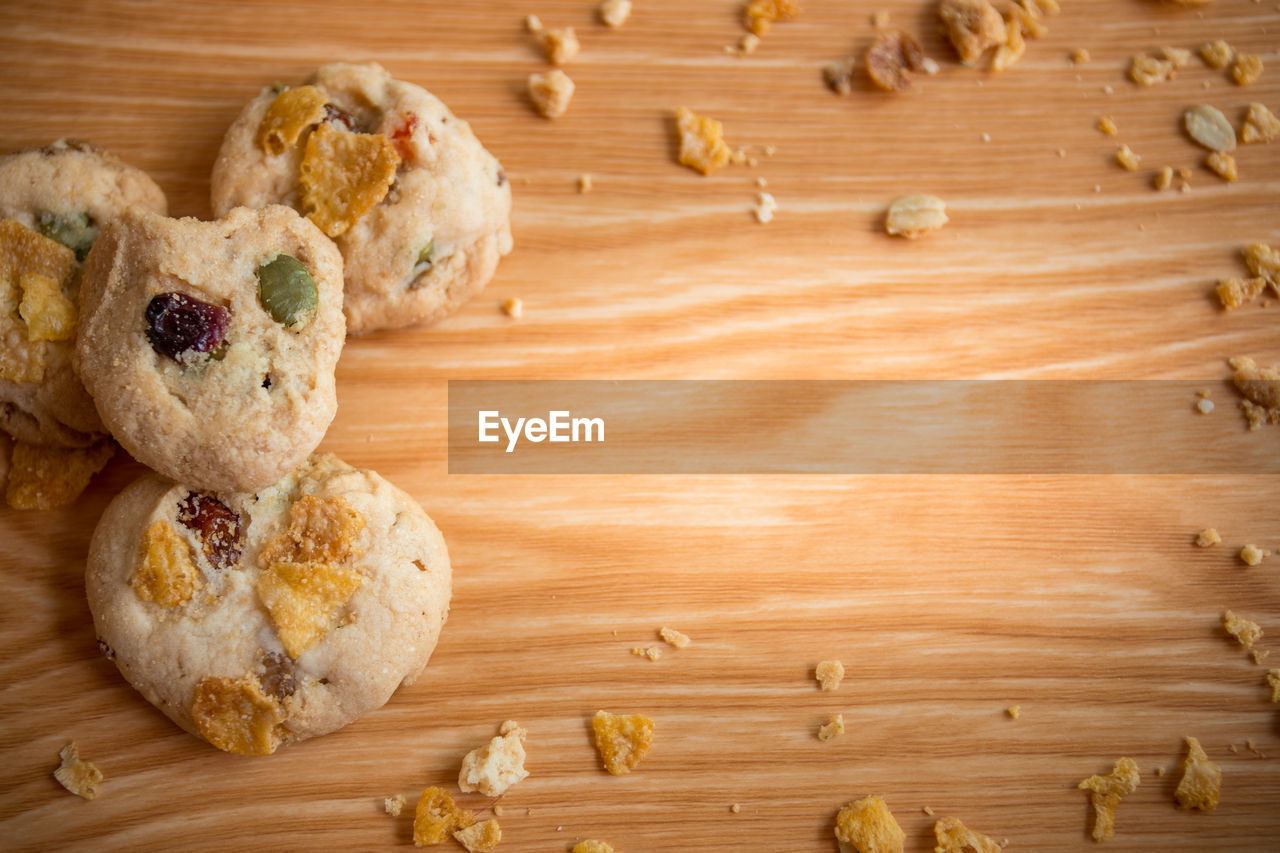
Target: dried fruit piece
591, 847
78, 776
622, 739
551, 93
1260, 125
1222, 165
891, 59
480, 837
496, 766
287, 291
913, 215
1208, 537
1201, 780
217, 525
278, 678
1209, 127
869, 827
954, 837
1105, 793
831, 728
77, 231
1234, 292
614, 13
1216, 54
436, 816
672, 637
320, 529
303, 599
1245, 631
974, 27
48, 313
829, 674
1252, 555
1148, 70
291, 113
760, 15
166, 572
1127, 160
178, 324
1246, 69
560, 45
343, 175
235, 716
44, 476
702, 145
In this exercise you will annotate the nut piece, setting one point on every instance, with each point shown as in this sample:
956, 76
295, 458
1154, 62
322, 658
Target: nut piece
1208, 537
891, 59
1246, 70
1210, 128
614, 13
1223, 165
1148, 70
869, 827
1260, 125
436, 816
166, 572
1201, 780
235, 716
42, 476
954, 837
913, 215
1105, 793
760, 15
76, 775
829, 674
622, 740
1126, 159
292, 112
974, 27
1216, 54
831, 728
591, 847
672, 637
560, 45
1252, 555
1234, 292
480, 837
496, 766
343, 175
1245, 631
702, 145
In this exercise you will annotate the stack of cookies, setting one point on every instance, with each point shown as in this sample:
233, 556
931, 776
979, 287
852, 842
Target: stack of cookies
254, 591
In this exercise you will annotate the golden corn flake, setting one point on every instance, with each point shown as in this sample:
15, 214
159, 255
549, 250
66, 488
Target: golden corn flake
1246, 70
829, 674
1252, 555
48, 313
1216, 54
303, 598
78, 776
954, 837
833, 727
1105, 793
622, 739
166, 571
974, 27
1148, 70
235, 716
1260, 125
343, 175
1234, 292
291, 113
323, 529
23, 250
1264, 261
32, 304
1126, 159
591, 847
1260, 385
1201, 780
43, 476
760, 15
1246, 632
480, 837
1273, 681
868, 827
702, 145
436, 816
560, 45
1222, 165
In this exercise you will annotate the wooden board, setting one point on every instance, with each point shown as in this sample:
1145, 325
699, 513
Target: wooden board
947, 597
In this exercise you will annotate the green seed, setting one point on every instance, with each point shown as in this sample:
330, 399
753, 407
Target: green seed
424, 257
75, 231
287, 291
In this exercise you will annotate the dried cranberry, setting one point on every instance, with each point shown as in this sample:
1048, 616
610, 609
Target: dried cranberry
217, 525
333, 115
177, 323
277, 676
402, 136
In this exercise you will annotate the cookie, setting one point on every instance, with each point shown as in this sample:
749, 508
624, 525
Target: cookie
254, 620
53, 201
209, 347
418, 207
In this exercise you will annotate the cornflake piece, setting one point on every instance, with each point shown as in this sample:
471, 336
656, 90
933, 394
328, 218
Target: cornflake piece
1264, 261
1260, 387
560, 45
1080, 56
235, 716
1246, 69
320, 529
1148, 70
891, 59
393, 805
702, 145
1259, 655
1252, 555
1177, 55
1014, 711
42, 476
496, 766
513, 308
343, 175
1222, 165
592, 847
437, 816
551, 93
913, 215
1201, 780
1216, 54
290, 113
869, 827
1273, 681
839, 75
614, 13
1209, 127
829, 674
480, 837
1208, 537
831, 728
760, 15
672, 637
1164, 178
166, 572
973, 26
78, 776
765, 207
48, 313
1234, 292
1105, 793
1245, 631
1126, 159
1260, 125
304, 598
652, 653
1107, 125
1014, 43
954, 837
622, 740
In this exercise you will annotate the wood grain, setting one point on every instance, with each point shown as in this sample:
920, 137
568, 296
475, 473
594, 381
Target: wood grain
947, 597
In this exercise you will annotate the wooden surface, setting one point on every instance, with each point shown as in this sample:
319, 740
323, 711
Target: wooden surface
947, 597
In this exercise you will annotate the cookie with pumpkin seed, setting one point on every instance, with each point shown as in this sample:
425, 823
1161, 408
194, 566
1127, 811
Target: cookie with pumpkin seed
418, 207
255, 620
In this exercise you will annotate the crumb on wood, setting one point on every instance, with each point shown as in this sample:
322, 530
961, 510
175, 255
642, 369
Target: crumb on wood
1080, 56
437, 816
1107, 125
1106, 792
829, 674
393, 805
1252, 555
1014, 711
1260, 387
1201, 779
954, 837
614, 13
833, 727
1148, 70
1273, 681
912, 216
560, 45
868, 825
1216, 54
1246, 69
1245, 631
592, 846
651, 652
760, 15
480, 837
891, 60
1223, 165
764, 207
702, 145
1208, 537
838, 75
1234, 292
78, 776
513, 308
735, 808
974, 28
1127, 159
622, 740
493, 768
551, 93
1260, 125
1163, 179
584, 183
1204, 407
672, 637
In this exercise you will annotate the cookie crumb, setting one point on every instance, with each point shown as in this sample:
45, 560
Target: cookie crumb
839, 75
1201, 780
761, 183
1147, 70
1164, 178
831, 728
764, 207
493, 768
1260, 125
1252, 555
652, 652
1234, 292
1208, 537
1126, 159
1080, 56
584, 183
1216, 54
760, 15
954, 837
1222, 165
513, 308
480, 837
533, 24
78, 776
702, 145
1259, 655
614, 13
622, 740
735, 808
747, 45
1105, 793
829, 674
1246, 632
551, 93
973, 26
1260, 386
1014, 711
672, 637
927, 811
498, 810
914, 215
1107, 125
560, 45
1160, 771
1204, 407
868, 825
1246, 69
1273, 681
393, 805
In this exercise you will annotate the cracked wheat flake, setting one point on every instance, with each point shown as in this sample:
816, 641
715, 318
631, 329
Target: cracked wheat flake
1201, 780
760, 15
833, 727
914, 215
1260, 387
891, 60
1245, 632
622, 740
493, 768
869, 827
954, 837
344, 175
829, 674
1222, 165
614, 13
1106, 792
551, 93
1208, 537
974, 27
78, 776
672, 637
42, 476
1264, 261
1259, 655
1252, 555
1260, 125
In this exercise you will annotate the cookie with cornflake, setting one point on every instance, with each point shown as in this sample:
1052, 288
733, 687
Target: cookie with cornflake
209, 347
53, 201
418, 207
255, 620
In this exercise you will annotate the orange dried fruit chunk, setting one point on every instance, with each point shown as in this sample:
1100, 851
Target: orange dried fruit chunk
760, 15
954, 837
702, 145
868, 826
303, 598
291, 113
323, 529
1201, 780
1105, 793
235, 716
481, 837
437, 816
166, 572
343, 175
42, 476
622, 739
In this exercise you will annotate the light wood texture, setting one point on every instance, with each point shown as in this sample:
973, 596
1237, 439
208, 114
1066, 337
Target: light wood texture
948, 598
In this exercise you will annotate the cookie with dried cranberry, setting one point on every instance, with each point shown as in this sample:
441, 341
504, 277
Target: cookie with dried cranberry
53, 201
255, 620
209, 347
418, 207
